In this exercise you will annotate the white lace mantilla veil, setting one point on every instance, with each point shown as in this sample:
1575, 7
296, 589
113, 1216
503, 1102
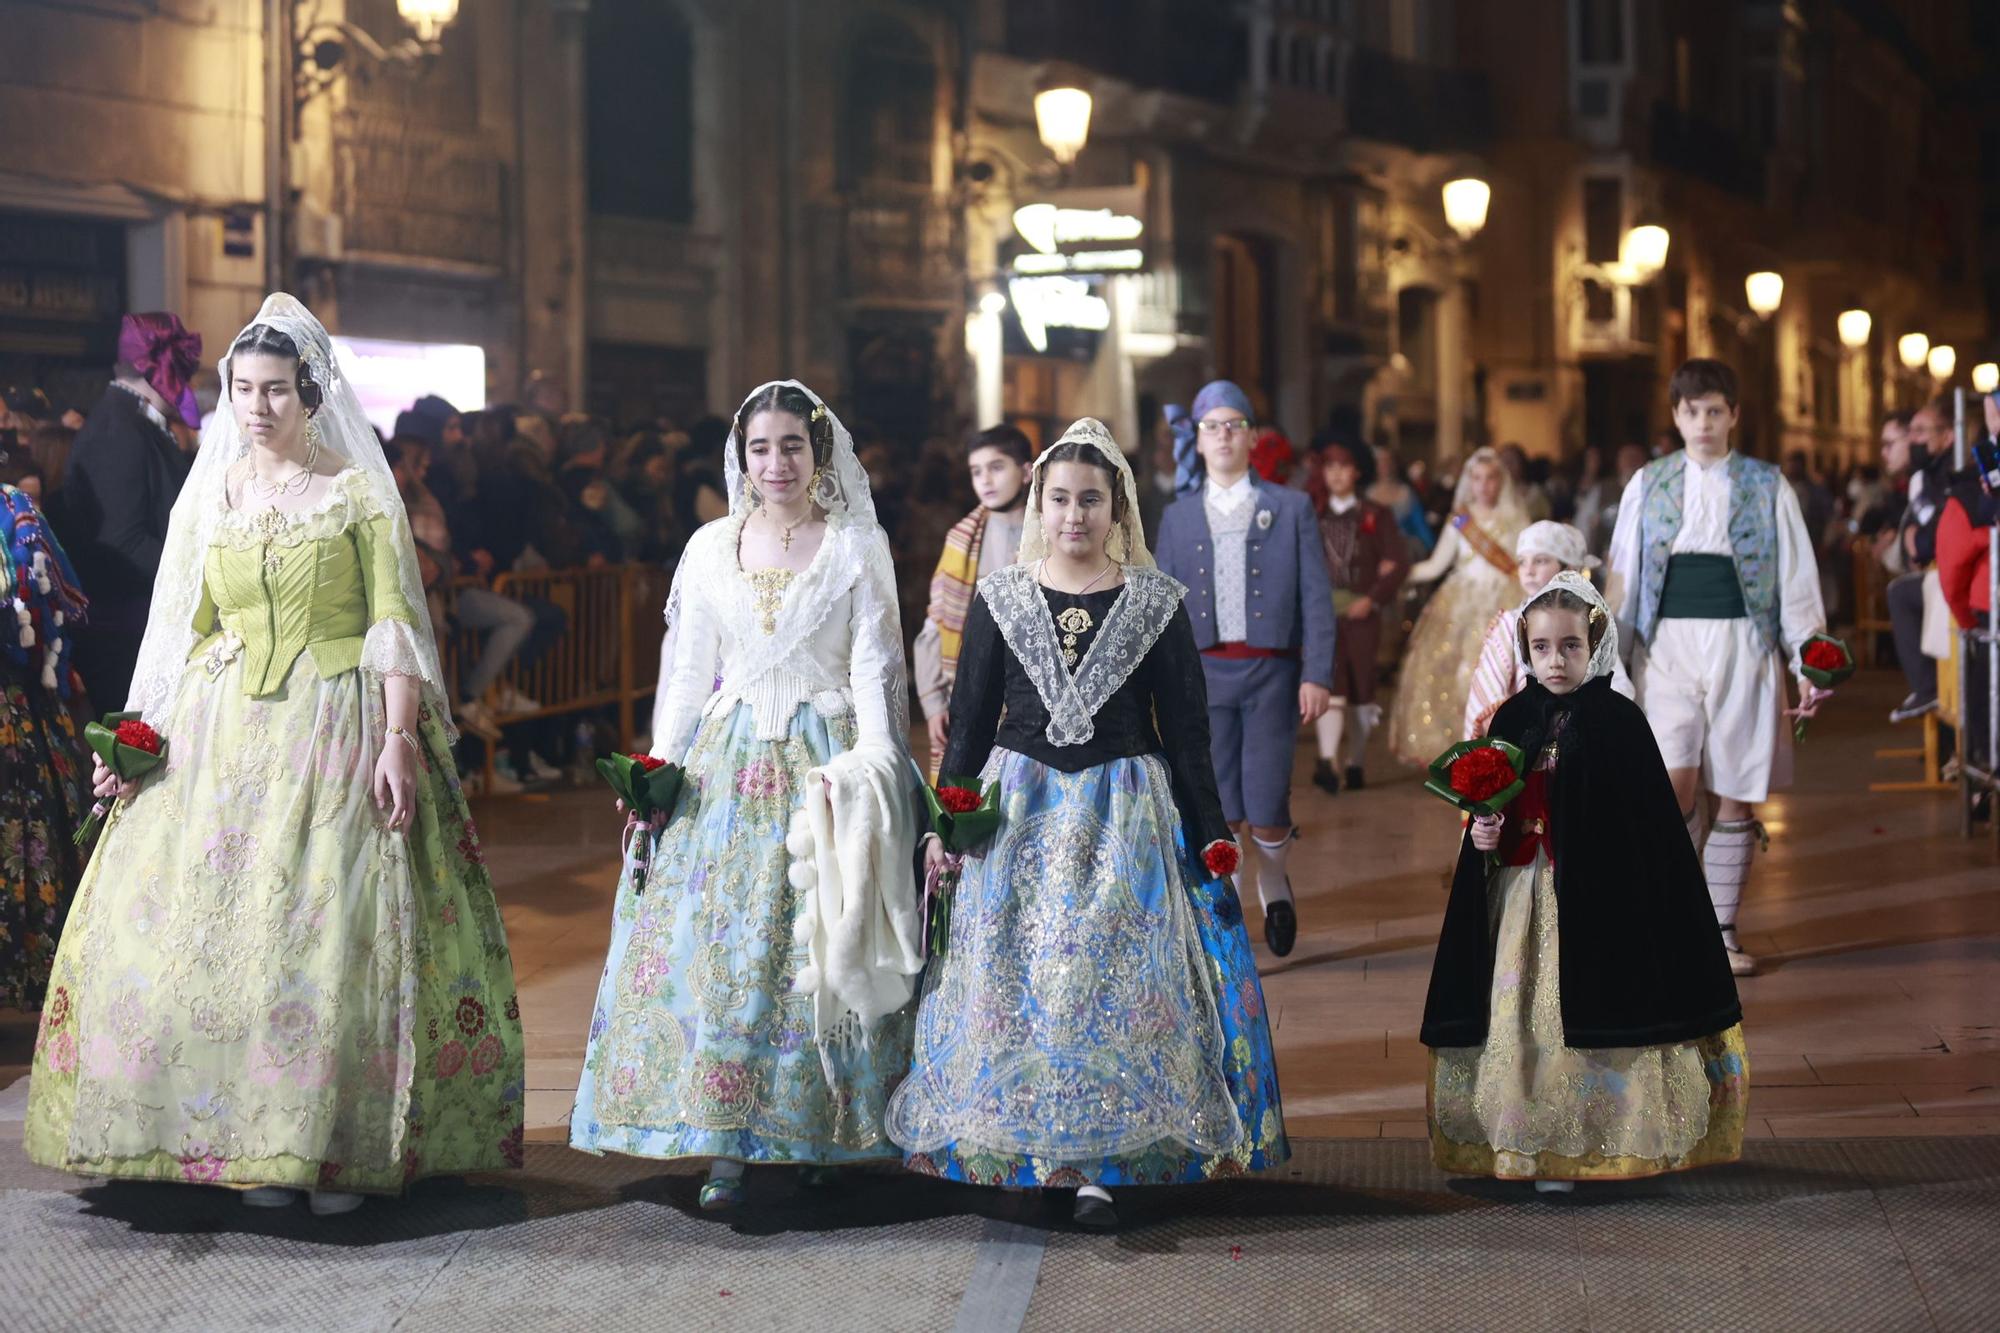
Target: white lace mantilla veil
392, 647
1127, 544
1604, 657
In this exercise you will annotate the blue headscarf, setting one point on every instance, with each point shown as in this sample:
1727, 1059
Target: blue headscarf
1183, 422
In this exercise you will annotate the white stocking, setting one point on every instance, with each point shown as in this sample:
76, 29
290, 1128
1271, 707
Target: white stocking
1697, 821
1329, 728
1272, 886
1726, 862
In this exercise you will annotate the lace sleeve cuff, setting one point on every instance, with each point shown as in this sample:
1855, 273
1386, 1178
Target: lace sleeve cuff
392, 649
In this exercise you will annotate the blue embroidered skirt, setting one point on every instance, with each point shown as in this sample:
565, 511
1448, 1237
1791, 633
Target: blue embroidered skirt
1096, 1017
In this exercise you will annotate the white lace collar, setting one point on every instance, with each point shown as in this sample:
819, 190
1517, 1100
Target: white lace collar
806, 600
1135, 622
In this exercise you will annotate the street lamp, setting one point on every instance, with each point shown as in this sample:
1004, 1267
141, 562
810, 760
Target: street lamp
1912, 348
429, 17
1465, 203
1985, 377
1854, 328
1943, 360
1764, 291
1643, 252
1062, 117
324, 47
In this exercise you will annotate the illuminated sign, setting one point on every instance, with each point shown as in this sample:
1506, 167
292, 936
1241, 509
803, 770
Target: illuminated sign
1082, 231
1048, 303
389, 376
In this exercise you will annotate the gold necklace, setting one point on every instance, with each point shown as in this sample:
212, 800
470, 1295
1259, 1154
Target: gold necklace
785, 529
298, 481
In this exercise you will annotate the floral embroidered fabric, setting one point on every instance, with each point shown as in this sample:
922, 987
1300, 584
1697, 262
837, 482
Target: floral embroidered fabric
1073, 1016
698, 1045
260, 983
1524, 1104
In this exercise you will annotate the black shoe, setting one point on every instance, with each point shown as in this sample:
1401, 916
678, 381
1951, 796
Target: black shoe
1094, 1214
1911, 707
1325, 778
1281, 928
1355, 781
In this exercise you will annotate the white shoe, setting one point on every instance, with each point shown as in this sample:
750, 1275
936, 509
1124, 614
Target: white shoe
511, 700
477, 718
269, 1196
1555, 1186
542, 770
331, 1203
1742, 964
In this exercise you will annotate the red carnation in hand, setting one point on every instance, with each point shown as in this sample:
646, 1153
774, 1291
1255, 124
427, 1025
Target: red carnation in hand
139, 736
1482, 774
1221, 858
647, 762
1823, 656
958, 800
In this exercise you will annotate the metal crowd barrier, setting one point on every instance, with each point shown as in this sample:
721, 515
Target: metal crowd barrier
607, 658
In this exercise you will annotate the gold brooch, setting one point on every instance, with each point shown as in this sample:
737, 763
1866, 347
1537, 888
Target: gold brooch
1073, 621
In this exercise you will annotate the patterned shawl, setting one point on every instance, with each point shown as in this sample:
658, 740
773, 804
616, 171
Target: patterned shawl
953, 584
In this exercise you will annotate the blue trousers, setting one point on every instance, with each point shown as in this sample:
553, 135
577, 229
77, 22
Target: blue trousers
1253, 722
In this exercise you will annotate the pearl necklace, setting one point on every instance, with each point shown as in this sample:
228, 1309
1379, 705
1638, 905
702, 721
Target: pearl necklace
296, 483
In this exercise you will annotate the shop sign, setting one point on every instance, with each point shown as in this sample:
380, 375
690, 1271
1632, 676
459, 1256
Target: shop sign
1057, 302
1082, 231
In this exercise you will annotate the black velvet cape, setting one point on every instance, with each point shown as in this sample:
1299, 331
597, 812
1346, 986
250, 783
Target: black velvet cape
1642, 961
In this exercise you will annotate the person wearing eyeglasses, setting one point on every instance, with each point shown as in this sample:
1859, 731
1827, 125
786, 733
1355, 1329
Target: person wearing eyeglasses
1261, 603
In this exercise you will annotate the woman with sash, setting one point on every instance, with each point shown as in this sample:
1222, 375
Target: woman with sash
1475, 557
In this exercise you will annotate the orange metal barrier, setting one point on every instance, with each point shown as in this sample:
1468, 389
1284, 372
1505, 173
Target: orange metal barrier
608, 657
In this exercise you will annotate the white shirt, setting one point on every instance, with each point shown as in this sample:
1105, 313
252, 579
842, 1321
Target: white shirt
1229, 509
1705, 531
1340, 504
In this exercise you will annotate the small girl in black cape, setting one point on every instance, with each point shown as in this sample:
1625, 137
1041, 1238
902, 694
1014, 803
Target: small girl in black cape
1582, 1019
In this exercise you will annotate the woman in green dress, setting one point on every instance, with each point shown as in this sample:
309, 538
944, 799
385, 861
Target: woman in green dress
285, 969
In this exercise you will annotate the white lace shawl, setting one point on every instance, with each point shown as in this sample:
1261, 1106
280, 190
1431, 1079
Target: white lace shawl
1142, 612
837, 641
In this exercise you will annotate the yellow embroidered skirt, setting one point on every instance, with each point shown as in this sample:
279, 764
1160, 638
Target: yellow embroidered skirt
1525, 1106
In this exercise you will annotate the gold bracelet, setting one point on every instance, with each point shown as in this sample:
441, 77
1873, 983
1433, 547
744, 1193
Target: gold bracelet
405, 734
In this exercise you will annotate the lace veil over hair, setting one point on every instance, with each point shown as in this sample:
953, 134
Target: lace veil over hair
1127, 544
392, 648
1508, 506
1604, 657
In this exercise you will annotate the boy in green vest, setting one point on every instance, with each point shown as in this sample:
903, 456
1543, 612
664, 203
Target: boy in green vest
1715, 585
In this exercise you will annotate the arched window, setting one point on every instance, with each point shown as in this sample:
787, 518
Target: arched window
890, 109
639, 95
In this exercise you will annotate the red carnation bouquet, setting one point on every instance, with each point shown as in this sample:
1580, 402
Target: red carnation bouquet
1220, 859
1478, 776
649, 788
1825, 661
963, 815
130, 749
